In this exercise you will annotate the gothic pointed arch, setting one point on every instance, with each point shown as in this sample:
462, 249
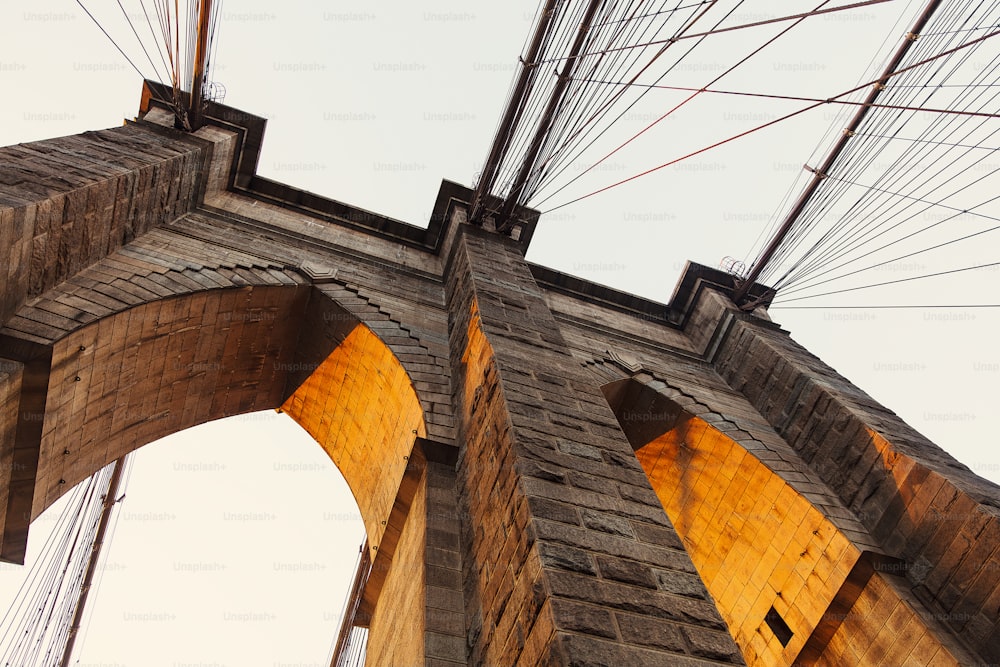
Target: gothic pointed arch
789, 568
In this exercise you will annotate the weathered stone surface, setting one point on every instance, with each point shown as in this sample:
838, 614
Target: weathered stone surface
516, 438
626, 571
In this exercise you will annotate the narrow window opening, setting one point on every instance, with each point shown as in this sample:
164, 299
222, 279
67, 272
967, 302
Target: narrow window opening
778, 626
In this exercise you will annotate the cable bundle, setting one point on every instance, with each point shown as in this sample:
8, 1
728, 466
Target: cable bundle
170, 43
38, 625
567, 99
919, 175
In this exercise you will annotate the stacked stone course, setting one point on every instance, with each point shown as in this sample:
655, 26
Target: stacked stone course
488, 414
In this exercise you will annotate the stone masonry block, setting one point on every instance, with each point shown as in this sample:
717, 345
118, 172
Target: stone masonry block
545, 542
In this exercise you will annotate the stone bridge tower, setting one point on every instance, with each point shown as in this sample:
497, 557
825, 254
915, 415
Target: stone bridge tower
550, 471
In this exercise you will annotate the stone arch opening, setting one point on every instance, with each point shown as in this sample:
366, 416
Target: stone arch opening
245, 530
160, 367
793, 586
110, 386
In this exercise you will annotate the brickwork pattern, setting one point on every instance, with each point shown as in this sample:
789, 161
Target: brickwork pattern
10, 398
498, 575
756, 542
707, 394
360, 407
396, 633
680, 374
705, 397
593, 327
445, 644
418, 347
142, 298
886, 628
915, 500
65, 203
599, 542
155, 369
160, 265
201, 252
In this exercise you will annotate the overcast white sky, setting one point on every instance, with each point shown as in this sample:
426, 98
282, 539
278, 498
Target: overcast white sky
373, 104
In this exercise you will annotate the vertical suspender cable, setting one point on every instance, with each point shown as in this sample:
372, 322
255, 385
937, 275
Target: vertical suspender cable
102, 528
198, 68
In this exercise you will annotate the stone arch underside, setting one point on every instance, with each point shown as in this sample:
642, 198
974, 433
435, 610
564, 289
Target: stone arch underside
210, 316
910, 497
205, 250
127, 378
154, 369
793, 586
